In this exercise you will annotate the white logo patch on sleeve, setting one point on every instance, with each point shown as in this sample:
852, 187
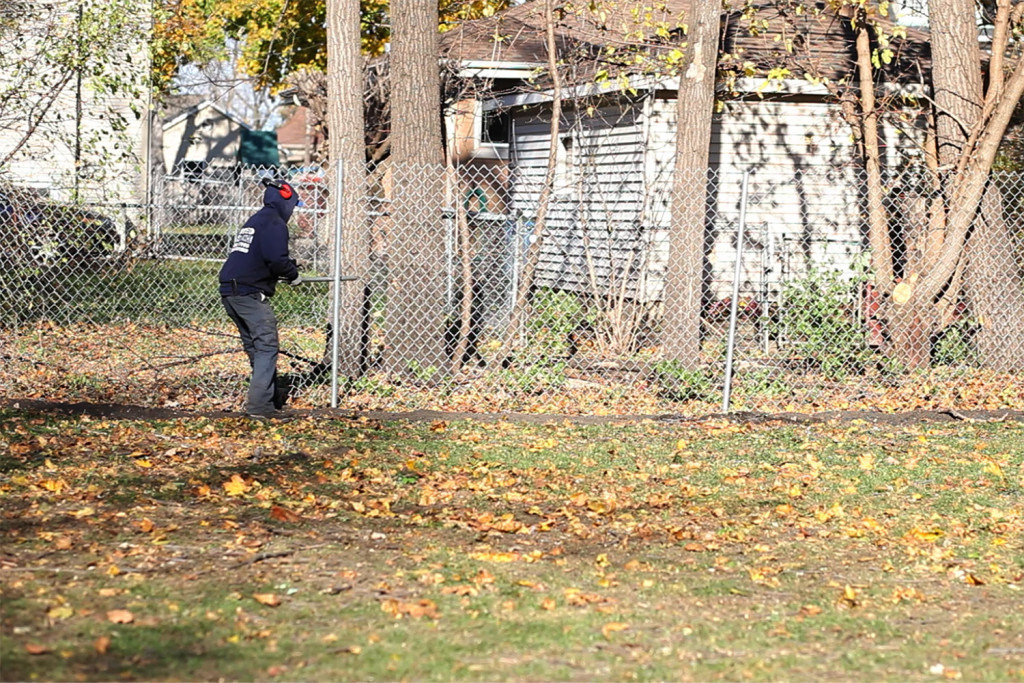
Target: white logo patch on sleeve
243, 240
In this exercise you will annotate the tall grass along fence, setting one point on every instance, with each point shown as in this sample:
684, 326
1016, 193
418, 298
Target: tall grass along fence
478, 288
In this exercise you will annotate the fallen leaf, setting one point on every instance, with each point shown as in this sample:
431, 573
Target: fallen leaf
120, 616
102, 644
236, 486
60, 612
416, 610
613, 627
268, 599
283, 514
36, 649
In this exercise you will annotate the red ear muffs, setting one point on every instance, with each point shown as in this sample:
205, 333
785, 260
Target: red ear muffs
284, 188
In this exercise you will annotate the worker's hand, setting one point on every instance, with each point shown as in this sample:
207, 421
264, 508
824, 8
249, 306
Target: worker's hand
296, 281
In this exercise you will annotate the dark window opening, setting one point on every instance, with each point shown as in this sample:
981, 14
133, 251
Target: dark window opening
191, 171
497, 127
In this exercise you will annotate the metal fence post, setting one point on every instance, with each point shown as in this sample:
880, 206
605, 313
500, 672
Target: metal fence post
339, 186
734, 304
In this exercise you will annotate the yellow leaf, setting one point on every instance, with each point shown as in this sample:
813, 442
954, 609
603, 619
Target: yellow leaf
994, 468
60, 612
53, 485
142, 462
930, 535
236, 486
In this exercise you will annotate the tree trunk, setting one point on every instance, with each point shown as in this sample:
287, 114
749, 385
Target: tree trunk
416, 290
975, 241
519, 307
992, 280
347, 153
694, 109
994, 289
878, 223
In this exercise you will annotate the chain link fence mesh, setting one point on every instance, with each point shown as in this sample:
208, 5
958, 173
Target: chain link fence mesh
489, 288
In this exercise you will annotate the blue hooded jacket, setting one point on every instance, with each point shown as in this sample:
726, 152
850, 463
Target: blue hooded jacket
259, 255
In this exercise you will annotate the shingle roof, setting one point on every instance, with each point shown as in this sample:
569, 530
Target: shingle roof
763, 35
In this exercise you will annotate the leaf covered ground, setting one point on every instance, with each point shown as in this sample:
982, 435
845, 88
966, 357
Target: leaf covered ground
202, 368
333, 548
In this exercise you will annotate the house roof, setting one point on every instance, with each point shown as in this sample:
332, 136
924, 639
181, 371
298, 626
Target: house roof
759, 37
294, 130
193, 110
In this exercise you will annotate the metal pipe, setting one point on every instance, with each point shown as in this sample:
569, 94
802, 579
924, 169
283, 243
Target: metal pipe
336, 274
734, 306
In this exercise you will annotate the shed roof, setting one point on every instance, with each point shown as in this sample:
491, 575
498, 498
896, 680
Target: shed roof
205, 104
813, 42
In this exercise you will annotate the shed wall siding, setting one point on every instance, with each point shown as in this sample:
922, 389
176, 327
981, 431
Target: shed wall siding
594, 241
805, 203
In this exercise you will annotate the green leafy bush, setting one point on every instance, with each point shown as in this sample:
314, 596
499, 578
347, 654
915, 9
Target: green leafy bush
677, 382
555, 315
955, 346
819, 313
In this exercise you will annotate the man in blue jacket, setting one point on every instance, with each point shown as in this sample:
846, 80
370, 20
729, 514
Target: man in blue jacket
258, 258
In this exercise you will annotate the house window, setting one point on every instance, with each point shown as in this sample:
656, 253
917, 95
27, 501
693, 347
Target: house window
496, 128
191, 171
493, 132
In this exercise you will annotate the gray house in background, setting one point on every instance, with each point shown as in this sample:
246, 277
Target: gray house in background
610, 214
206, 139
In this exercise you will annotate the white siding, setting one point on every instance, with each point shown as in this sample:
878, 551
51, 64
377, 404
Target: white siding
597, 214
805, 202
111, 131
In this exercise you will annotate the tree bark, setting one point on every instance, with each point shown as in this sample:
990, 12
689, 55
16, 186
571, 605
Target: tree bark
519, 307
347, 154
416, 289
976, 241
694, 110
878, 223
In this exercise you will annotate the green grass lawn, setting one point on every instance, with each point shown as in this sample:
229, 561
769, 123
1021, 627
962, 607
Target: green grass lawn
346, 549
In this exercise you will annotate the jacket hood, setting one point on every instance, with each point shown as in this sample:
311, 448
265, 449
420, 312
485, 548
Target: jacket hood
272, 197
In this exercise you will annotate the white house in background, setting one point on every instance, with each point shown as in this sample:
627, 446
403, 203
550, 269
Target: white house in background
610, 211
203, 138
89, 141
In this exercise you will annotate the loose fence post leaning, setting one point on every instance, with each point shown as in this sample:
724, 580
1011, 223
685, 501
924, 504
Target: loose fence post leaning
734, 304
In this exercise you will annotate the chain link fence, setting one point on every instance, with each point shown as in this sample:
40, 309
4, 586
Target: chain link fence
492, 287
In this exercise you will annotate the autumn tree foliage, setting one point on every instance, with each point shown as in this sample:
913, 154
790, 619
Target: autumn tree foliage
278, 37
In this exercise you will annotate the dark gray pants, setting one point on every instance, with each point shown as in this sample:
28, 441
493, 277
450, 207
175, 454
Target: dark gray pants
257, 326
